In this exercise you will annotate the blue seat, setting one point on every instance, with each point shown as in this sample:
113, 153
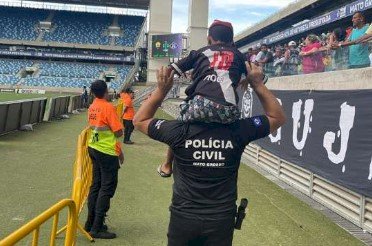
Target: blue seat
20, 23
74, 75
6, 79
81, 28
131, 25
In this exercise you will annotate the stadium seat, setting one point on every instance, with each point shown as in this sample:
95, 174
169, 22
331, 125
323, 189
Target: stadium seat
73, 75
12, 66
131, 26
71, 70
8, 79
122, 72
81, 28
19, 23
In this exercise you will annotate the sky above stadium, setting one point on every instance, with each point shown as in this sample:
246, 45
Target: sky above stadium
242, 13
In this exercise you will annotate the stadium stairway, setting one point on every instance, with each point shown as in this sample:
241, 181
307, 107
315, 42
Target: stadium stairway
112, 41
50, 17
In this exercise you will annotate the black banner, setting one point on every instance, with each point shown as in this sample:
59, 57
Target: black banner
327, 132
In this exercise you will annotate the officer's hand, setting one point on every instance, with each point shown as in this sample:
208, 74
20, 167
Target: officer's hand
121, 158
255, 75
165, 79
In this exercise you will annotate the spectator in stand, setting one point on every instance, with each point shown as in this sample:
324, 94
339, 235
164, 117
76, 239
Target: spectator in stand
254, 54
249, 54
312, 59
339, 56
358, 53
292, 59
365, 38
264, 59
279, 60
261, 57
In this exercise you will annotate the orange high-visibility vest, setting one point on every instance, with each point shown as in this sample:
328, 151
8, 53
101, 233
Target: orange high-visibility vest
104, 121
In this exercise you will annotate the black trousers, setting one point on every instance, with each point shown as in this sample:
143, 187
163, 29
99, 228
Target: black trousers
105, 180
194, 232
128, 129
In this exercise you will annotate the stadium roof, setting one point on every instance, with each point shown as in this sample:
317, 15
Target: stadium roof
285, 18
136, 4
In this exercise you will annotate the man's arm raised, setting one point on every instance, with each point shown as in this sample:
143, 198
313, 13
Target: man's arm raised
148, 109
273, 110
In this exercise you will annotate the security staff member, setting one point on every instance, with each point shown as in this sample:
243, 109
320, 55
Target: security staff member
128, 113
206, 163
105, 151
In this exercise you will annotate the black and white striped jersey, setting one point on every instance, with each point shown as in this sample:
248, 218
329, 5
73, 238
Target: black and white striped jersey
217, 71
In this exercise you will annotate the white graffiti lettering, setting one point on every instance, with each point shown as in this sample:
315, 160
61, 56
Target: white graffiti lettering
346, 123
296, 116
278, 137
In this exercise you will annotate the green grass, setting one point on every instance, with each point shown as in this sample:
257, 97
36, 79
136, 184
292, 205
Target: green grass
9, 96
35, 172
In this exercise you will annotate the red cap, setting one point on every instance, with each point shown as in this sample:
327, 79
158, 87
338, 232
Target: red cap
222, 23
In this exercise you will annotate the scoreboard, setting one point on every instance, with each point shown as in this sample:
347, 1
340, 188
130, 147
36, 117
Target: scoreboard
169, 45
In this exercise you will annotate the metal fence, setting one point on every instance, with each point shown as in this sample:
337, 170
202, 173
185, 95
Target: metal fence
350, 205
58, 106
16, 114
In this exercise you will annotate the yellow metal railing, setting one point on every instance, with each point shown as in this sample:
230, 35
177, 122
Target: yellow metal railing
83, 175
119, 108
34, 225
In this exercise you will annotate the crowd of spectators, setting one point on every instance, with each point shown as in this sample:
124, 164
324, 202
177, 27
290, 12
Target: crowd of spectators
336, 50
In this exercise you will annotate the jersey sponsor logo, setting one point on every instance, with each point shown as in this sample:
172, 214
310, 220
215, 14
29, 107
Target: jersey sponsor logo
222, 60
214, 78
158, 124
257, 121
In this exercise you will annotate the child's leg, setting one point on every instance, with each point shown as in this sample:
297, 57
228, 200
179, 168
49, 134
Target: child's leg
165, 170
167, 166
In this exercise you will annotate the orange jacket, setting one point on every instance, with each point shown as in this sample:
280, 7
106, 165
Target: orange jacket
128, 113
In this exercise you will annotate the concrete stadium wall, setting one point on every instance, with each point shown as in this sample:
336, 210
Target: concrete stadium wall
338, 80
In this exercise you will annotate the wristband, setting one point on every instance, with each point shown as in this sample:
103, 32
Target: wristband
265, 78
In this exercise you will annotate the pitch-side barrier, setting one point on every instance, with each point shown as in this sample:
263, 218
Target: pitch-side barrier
34, 225
82, 176
15, 114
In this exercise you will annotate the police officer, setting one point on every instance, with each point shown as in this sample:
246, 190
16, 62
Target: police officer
105, 151
206, 162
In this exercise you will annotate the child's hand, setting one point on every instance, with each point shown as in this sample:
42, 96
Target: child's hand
255, 75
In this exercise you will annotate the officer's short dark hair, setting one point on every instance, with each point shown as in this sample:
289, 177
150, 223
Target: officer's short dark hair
98, 88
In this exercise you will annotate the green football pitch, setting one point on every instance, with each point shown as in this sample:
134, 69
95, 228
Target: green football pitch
36, 172
11, 96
